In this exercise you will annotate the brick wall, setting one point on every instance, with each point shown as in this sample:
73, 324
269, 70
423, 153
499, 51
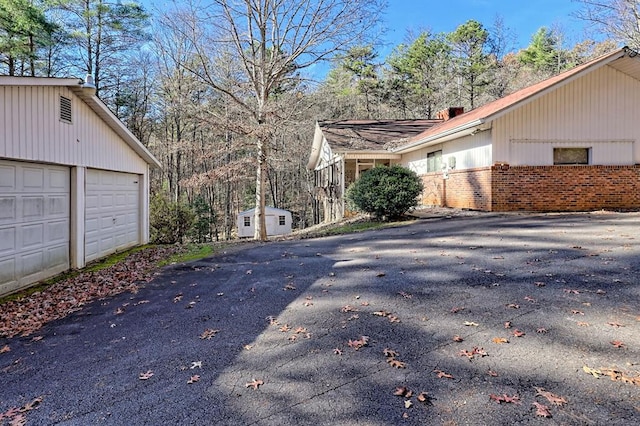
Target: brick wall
565, 188
465, 189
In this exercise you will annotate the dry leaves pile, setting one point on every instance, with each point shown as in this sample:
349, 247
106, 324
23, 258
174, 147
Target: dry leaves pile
26, 315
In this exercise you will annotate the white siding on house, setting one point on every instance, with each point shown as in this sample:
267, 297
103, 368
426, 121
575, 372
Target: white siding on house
87, 141
540, 153
470, 152
600, 107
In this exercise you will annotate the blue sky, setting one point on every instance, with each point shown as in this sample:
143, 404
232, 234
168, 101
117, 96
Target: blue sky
523, 17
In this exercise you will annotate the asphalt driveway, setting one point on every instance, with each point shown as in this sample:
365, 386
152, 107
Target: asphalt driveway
483, 319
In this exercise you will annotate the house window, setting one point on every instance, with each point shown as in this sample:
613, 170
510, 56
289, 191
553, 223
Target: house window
281, 220
65, 110
570, 156
434, 161
247, 221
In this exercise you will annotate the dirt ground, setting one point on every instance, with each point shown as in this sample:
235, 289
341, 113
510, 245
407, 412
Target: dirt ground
460, 318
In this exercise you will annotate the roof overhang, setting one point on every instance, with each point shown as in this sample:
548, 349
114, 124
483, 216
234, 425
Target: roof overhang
88, 95
316, 148
370, 155
465, 129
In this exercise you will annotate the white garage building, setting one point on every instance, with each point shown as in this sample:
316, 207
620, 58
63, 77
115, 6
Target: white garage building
74, 181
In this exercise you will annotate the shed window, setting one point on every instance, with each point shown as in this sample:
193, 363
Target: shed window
65, 110
281, 220
434, 161
570, 156
247, 221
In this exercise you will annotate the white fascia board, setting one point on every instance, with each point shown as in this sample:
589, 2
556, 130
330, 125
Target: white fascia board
457, 132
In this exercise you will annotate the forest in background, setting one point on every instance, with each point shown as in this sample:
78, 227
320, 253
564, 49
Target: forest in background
231, 118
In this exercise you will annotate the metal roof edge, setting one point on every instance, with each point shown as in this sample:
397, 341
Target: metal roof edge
436, 138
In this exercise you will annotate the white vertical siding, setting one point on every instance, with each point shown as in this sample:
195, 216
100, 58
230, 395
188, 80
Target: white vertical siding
470, 152
31, 130
592, 111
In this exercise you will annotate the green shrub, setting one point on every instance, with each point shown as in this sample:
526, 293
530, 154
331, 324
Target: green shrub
204, 218
385, 192
169, 221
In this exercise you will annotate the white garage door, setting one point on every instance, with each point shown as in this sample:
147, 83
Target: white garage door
112, 212
34, 223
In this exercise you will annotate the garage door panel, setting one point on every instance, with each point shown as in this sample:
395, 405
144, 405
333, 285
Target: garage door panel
33, 207
34, 222
32, 236
7, 208
7, 272
7, 240
33, 178
58, 231
58, 206
112, 212
7, 178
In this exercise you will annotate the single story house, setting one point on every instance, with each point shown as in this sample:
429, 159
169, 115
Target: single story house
568, 143
74, 181
278, 221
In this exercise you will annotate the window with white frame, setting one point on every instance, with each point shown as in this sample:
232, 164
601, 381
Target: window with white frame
281, 220
434, 161
247, 221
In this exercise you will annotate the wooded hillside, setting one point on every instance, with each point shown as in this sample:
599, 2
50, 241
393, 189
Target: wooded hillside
225, 94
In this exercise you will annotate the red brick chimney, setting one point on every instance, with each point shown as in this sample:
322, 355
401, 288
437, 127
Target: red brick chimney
449, 113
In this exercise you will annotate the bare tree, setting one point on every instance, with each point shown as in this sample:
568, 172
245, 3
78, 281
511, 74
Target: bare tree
619, 19
274, 40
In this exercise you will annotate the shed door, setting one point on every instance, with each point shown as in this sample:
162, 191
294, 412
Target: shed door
34, 223
112, 212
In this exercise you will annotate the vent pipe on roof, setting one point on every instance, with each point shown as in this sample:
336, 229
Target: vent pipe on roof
88, 84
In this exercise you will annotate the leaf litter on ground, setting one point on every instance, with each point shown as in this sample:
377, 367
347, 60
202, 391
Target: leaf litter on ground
28, 314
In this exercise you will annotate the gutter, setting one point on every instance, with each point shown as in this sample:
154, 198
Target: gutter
463, 130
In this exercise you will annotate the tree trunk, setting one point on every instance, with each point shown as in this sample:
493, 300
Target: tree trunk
260, 232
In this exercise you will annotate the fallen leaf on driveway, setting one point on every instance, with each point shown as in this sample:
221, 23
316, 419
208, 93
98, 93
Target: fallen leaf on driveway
424, 398
403, 392
442, 375
552, 398
515, 399
359, 343
518, 333
193, 379
146, 376
615, 324
254, 384
542, 410
617, 344
196, 364
595, 373
390, 353
408, 403
396, 363
499, 340
5, 349
208, 333
457, 338
471, 324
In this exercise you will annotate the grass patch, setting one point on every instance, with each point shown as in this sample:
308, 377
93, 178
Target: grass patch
189, 253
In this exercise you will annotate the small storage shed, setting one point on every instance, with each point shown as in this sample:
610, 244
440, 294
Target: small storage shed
74, 181
278, 222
